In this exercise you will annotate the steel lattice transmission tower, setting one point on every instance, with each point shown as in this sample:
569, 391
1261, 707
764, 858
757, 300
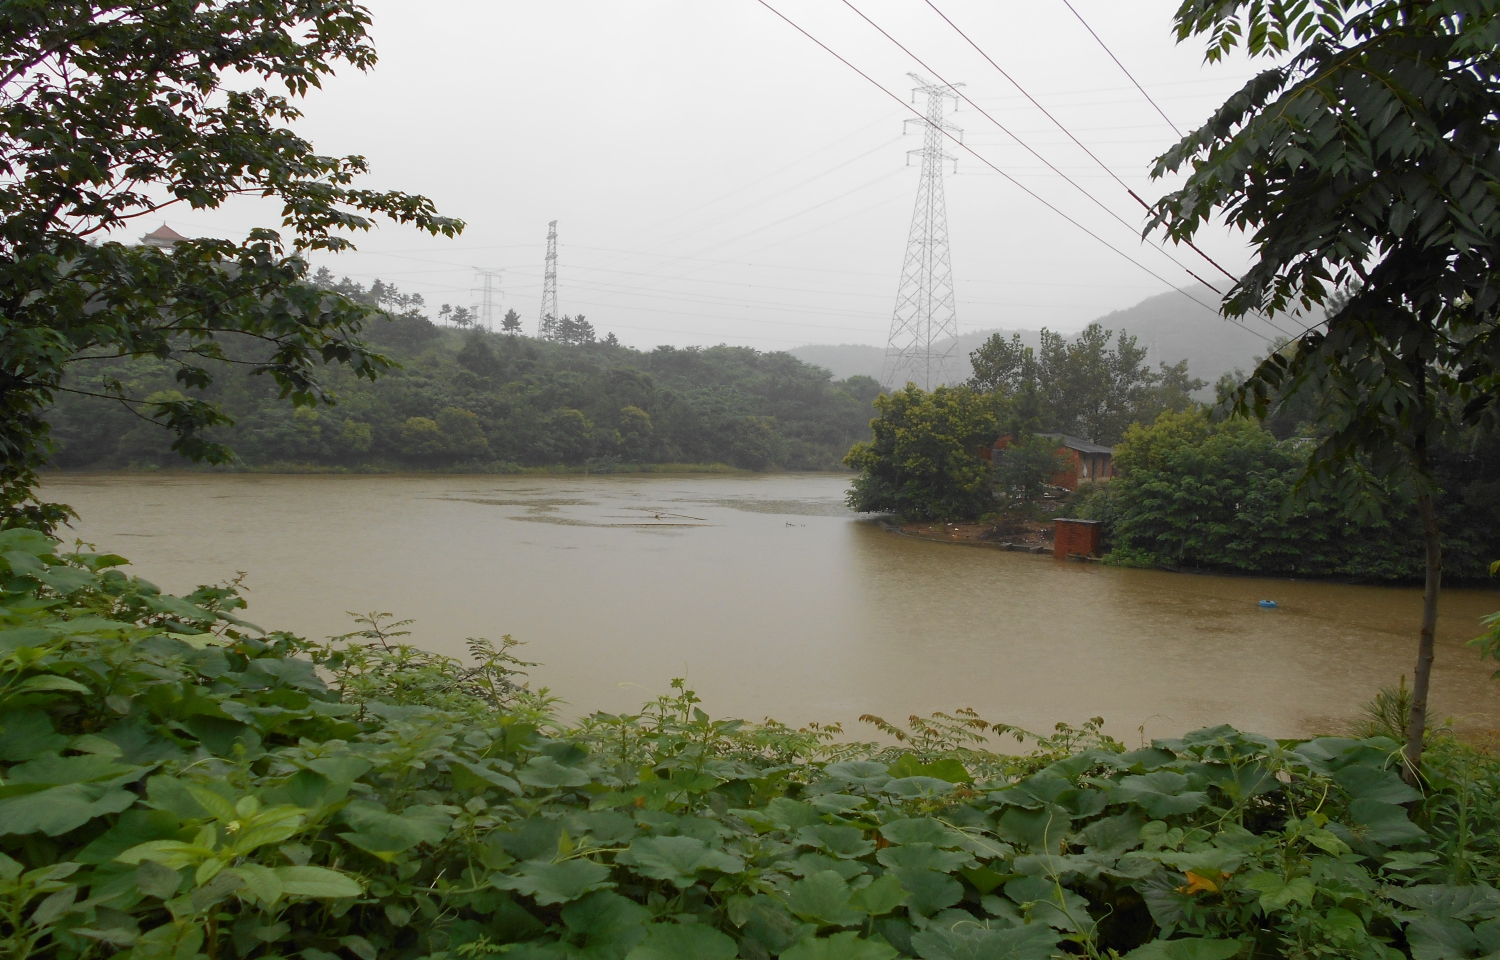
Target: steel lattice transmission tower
925, 311
487, 292
550, 315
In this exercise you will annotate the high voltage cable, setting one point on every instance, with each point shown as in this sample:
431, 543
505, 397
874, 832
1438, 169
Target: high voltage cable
736, 212
1102, 165
1024, 145
1122, 69
746, 186
987, 163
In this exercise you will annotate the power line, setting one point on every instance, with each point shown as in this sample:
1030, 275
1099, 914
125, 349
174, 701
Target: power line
987, 163
1122, 69
1097, 202
1102, 165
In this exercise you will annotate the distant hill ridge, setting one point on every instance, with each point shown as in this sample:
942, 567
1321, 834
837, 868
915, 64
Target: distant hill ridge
1171, 327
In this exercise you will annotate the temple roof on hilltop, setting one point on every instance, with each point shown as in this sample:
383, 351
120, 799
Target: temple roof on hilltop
163, 236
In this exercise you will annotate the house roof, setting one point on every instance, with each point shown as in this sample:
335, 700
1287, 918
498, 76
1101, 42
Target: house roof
1082, 446
163, 234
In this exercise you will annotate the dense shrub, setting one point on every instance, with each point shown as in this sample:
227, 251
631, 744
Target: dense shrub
179, 786
1194, 493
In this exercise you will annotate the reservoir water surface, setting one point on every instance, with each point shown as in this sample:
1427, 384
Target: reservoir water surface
774, 600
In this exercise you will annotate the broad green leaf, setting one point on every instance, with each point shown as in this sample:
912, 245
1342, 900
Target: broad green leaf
677, 860
340, 769
359, 946
262, 882
58, 810
865, 774
475, 777
823, 898
53, 769
218, 806
840, 946
27, 733
1276, 891
550, 883
767, 922
386, 834
1034, 941
1114, 836
49, 681
1369, 782
881, 896
1384, 823
174, 854
693, 941
317, 882
1188, 948
1039, 829
930, 891
548, 773
1050, 903
921, 830
918, 788
1441, 938
54, 906
605, 924
155, 880
921, 856
791, 814
845, 842
1443, 900
1161, 794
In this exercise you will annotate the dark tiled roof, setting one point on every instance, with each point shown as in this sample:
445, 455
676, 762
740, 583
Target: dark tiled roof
1082, 446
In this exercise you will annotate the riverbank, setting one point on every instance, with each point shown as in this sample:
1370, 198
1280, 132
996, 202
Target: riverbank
1026, 536
375, 469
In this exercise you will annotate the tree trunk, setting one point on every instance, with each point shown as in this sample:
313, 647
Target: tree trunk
1422, 676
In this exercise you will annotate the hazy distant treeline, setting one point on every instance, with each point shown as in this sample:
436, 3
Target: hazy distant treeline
467, 398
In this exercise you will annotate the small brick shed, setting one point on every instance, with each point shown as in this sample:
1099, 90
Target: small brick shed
1077, 538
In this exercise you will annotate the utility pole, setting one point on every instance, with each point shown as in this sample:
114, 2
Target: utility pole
925, 310
550, 315
487, 292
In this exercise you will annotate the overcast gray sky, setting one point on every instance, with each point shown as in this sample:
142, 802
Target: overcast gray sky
718, 178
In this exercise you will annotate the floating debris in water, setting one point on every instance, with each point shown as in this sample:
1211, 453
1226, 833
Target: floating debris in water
1268, 604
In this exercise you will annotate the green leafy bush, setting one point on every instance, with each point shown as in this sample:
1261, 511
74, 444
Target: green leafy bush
1194, 493
178, 785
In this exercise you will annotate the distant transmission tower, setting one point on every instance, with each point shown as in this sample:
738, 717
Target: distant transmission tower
486, 291
549, 286
924, 301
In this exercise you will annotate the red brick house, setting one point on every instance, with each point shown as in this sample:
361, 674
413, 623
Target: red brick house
1082, 459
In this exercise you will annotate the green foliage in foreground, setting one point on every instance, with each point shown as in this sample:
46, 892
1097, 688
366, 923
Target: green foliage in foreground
1193, 493
179, 786
923, 462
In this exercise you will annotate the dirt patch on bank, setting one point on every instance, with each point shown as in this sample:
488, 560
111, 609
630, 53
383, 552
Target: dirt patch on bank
1016, 534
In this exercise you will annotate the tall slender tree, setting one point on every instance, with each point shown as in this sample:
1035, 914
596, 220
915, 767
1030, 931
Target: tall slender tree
1367, 156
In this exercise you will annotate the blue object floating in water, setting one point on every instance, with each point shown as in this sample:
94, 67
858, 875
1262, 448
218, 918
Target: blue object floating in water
1268, 604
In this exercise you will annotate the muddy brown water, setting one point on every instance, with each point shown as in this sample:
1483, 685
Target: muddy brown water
772, 599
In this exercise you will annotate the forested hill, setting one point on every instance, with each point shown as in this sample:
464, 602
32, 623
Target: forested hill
470, 399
